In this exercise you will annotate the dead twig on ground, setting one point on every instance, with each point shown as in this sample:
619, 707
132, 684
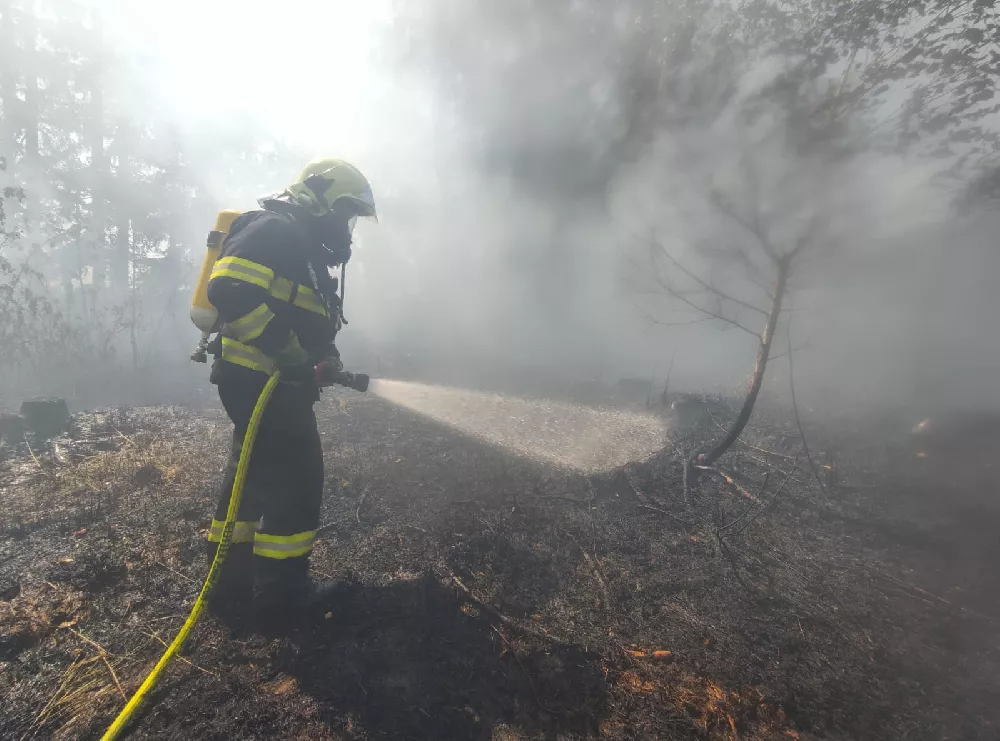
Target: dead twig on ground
361, 502
326, 528
590, 513
743, 442
114, 677
34, 457
67, 677
595, 568
759, 510
728, 478
731, 557
103, 653
175, 572
686, 463
506, 619
749, 507
202, 669
920, 592
571, 500
770, 501
646, 504
513, 651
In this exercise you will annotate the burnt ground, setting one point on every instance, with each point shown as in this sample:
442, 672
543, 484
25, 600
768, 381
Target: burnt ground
481, 595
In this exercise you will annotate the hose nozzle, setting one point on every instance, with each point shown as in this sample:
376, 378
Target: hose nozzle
356, 381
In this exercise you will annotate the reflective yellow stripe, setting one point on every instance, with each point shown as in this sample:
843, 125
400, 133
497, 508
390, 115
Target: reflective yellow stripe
284, 546
243, 531
309, 300
237, 353
292, 353
305, 297
281, 289
244, 270
250, 326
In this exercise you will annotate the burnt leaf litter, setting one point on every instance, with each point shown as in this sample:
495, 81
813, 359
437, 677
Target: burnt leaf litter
480, 592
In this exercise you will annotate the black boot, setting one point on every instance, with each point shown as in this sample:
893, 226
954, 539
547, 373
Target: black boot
284, 588
232, 595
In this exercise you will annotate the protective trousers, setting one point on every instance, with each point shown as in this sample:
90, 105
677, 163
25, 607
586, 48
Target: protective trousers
279, 513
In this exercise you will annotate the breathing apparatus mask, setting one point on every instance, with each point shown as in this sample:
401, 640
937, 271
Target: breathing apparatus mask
334, 233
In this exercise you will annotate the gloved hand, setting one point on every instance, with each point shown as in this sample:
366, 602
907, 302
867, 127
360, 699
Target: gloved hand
326, 370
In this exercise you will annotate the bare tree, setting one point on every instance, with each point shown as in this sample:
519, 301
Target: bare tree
762, 264
935, 52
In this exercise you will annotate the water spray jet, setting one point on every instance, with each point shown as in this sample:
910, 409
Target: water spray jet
573, 436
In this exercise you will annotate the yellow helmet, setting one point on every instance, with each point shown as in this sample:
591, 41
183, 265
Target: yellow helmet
324, 182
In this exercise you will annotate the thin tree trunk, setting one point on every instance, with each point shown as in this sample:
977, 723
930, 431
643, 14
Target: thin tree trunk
763, 353
666, 385
8, 87
121, 255
10, 115
32, 156
132, 334
98, 165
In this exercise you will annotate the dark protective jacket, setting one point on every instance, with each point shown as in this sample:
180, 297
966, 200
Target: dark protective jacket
277, 301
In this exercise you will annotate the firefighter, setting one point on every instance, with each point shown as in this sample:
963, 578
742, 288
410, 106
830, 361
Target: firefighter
274, 293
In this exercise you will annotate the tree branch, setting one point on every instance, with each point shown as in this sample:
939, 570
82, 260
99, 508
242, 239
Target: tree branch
805, 239
706, 311
668, 288
752, 272
662, 323
708, 287
753, 225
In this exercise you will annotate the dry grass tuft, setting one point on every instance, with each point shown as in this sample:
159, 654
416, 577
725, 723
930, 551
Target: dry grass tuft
136, 473
88, 687
37, 612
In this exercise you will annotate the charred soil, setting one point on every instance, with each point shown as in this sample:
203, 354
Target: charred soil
479, 594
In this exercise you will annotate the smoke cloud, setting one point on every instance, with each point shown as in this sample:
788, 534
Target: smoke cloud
525, 157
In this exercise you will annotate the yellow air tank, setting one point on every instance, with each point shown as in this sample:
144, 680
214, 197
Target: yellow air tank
203, 314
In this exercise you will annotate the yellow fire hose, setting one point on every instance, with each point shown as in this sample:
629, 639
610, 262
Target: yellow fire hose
116, 728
